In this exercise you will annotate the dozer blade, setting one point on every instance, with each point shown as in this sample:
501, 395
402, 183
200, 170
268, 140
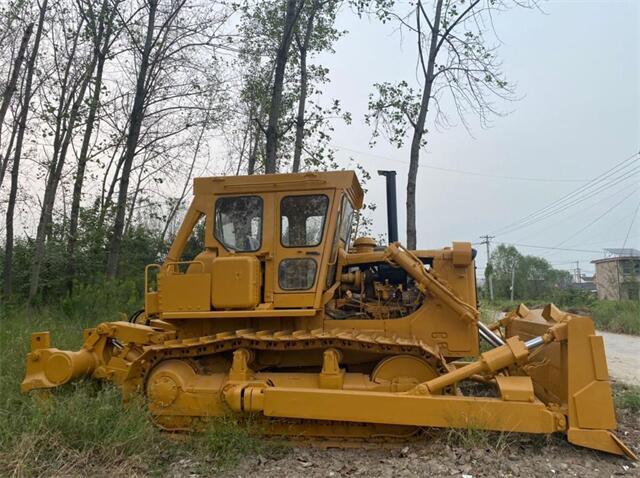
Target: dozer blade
573, 374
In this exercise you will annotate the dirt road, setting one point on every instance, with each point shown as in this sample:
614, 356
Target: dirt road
623, 356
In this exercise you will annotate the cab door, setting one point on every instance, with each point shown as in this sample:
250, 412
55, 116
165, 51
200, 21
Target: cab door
302, 231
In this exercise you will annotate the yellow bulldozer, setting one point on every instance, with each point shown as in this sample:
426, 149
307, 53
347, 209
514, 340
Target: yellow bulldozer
281, 317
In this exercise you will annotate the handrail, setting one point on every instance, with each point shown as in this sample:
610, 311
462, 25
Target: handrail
177, 263
146, 276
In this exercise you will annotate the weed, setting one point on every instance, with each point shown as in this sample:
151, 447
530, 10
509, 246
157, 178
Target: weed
472, 438
627, 397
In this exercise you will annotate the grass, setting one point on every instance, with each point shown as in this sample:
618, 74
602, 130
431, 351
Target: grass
476, 438
83, 428
622, 317
612, 316
627, 397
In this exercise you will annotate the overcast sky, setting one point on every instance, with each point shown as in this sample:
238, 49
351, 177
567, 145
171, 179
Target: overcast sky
577, 69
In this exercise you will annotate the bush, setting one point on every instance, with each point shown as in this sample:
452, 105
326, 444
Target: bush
617, 316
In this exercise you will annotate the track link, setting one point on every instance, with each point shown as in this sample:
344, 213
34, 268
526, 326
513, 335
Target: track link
282, 340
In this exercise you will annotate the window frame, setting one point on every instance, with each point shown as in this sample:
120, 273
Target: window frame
324, 221
315, 273
215, 222
345, 202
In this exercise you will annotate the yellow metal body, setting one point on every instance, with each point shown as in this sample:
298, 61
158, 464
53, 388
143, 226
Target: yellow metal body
280, 315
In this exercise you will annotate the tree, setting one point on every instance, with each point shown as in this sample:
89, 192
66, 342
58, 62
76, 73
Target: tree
291, 17
175, 87
100, 27
10, 88
21, 127
74, 69
135, 123
534, 277
316, 34
300, 120
456, 64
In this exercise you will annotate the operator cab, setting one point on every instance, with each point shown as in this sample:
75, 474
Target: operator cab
271, 242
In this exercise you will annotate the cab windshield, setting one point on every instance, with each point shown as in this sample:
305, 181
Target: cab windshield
238, 223
302, 220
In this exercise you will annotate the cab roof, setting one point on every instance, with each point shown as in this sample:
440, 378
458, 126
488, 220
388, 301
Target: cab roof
308, 181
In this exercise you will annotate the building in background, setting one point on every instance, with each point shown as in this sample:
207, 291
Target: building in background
618, 275
583, 282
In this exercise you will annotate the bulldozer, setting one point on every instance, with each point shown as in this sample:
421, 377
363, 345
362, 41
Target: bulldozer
282, 317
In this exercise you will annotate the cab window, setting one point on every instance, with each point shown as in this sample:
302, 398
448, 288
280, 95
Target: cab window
302, 220
238, 223
343, 231
297, 274
346, 220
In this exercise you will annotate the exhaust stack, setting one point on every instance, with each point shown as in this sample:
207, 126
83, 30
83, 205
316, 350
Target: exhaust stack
392, 206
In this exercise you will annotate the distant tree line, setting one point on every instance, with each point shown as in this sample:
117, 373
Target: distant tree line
532, 277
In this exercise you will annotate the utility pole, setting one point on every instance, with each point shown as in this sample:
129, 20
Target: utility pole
513, 278
487, 241
578, 273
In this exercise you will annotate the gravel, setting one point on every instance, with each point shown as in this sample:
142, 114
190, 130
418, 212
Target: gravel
494, 455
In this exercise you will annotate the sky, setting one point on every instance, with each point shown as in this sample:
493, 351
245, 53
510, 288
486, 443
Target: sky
577, 69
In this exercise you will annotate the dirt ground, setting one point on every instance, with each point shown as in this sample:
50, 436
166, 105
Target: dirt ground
623, 356
447, 454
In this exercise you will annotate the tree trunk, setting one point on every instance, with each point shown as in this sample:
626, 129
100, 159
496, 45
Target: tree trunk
278, 85
418, 129
55, 173
253, 153
101, 53
5, 160
137, 115
133, 201
22, 126
302, 99
13, 80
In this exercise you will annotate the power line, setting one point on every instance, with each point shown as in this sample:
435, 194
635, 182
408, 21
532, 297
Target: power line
623, 164
564, 220
465, 172
605, 233
597, 219
574, 197
551, 247
575, 201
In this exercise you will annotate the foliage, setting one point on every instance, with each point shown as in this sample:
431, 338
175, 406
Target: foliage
140, 247
617, 316
534, 277
260, 30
